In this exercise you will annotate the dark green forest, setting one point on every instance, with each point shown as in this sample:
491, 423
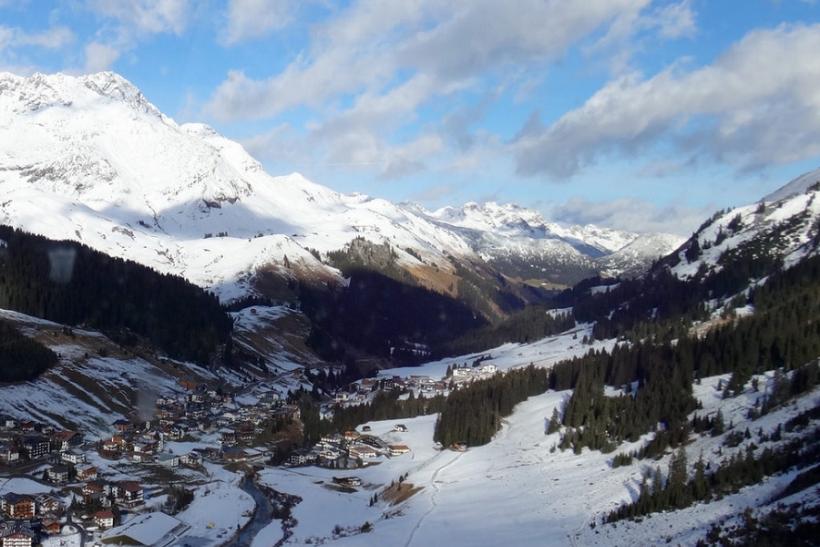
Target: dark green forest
383, 317
530, 324
473, 414
783, 333
70, 283
21, 358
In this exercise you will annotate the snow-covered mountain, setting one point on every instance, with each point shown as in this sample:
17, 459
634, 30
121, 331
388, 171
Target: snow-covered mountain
784, 225
90, 159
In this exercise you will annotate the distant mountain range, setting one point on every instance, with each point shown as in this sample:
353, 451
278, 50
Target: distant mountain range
90, 159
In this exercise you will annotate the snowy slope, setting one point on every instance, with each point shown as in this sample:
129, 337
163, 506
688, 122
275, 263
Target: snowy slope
785, 223
796, 186
89, 158
516, 490
95, 382
503, 233
632, 259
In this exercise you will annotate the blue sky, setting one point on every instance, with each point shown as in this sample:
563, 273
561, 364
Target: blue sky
637, 114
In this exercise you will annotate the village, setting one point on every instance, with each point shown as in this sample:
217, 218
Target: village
62, 488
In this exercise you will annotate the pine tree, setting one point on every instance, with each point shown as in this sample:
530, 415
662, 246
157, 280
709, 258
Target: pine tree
677, 494
555, 422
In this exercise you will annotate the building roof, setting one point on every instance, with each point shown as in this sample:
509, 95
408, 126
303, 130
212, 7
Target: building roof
12, 497
147, 529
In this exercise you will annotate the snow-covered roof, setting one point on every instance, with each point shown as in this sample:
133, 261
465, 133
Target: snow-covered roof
148, 529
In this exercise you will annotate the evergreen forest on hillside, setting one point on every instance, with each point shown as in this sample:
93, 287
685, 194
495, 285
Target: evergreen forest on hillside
70, 283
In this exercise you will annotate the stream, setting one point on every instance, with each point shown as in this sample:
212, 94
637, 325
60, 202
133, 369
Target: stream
261, 517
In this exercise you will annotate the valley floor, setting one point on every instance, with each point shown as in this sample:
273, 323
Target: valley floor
516, 488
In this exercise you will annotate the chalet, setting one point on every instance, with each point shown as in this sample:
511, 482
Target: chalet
48, 505
86, 472
327, 457
51, 526
104, 519
399, 449
57, 474
18, 506
19, 537
174, 432
351, 435
128, 493
95, 487
301, 457
27, 426
65, 440
73, 457
244, 432
97, 493
116, 443
9, 423
362, 451
191, 459
227, 437
400, 428
36, 446
141, 457
462, 372
488, 369
373, 442
144, 447
9, 455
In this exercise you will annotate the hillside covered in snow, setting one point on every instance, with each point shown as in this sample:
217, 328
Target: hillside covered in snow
91, 159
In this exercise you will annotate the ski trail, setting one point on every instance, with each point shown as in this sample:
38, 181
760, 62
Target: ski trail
433, 503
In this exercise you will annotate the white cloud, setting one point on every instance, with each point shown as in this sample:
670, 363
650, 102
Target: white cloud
675, 20
248, 19
370, 68
368, 45
145, 16
52, 38
756, 105
99, 56
630, 214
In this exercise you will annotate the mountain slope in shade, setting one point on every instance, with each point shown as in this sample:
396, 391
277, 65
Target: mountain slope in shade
89, 158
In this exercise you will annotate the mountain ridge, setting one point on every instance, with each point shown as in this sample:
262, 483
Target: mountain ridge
90, 158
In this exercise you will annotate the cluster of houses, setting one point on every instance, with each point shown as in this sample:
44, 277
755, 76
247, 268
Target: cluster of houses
61, 458
349, 450
465, 373
457, 375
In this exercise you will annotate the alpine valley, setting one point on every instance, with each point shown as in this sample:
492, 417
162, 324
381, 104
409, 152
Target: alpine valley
273, 362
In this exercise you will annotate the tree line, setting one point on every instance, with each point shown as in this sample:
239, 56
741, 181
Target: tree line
70, 283
22, 358
473, 414
678, 490
784, 332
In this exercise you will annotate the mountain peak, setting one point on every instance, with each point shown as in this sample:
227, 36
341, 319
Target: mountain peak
796, 186
40, 91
